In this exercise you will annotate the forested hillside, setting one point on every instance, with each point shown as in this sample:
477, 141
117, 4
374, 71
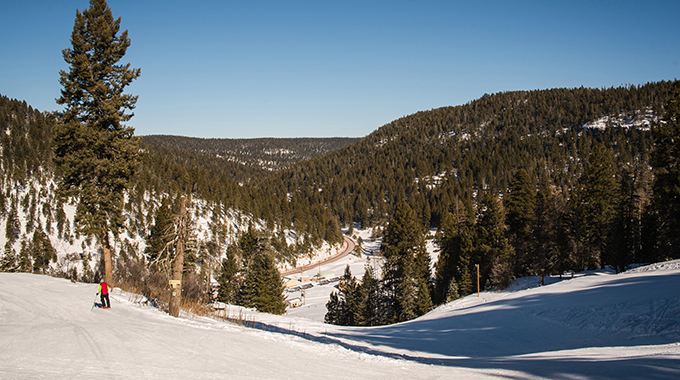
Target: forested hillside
433, 157
264, 153
518, 183
527, 182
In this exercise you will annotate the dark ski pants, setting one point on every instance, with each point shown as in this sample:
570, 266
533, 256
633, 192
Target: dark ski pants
105, 300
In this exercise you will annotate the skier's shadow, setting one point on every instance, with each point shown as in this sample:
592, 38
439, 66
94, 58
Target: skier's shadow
98, 305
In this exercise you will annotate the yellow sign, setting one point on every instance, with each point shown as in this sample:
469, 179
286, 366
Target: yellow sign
175, 282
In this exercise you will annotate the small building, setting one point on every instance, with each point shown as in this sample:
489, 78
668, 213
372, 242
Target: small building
290, 282
323, 277
294, 302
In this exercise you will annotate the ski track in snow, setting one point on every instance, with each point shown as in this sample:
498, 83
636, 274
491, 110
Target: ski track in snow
597, 325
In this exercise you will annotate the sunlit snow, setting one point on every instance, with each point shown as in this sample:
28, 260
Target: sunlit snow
595, 325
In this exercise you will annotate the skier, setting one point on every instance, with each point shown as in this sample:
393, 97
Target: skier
104, 291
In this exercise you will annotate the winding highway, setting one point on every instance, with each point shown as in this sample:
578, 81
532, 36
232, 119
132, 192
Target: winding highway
348, 245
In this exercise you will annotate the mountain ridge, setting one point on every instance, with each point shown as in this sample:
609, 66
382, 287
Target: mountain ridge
266, 153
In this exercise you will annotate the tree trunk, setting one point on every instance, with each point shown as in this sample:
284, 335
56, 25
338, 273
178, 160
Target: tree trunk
106, 250
178, 265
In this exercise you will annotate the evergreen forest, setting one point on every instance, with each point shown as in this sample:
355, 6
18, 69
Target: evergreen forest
519, 183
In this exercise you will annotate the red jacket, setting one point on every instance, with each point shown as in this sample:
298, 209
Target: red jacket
104, 288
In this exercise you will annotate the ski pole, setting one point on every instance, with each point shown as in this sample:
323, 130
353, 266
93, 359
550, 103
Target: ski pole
95, 302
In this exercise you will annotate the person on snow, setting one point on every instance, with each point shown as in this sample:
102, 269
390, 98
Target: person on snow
104, 291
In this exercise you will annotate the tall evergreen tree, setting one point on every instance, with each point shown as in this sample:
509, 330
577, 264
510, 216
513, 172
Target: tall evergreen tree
452, 292
449, 252
545, 250
334, 309
493, 251
402, 245
162, 232
596, 200
344, 307
520, 206
249, 243
42, 251
12, 224
666, 165
624, 235
227, 280
95, 152
25, 263
370, 299
263, 286
9, 261
467, 285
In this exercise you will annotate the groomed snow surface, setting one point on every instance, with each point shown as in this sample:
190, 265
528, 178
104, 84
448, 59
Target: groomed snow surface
596, 325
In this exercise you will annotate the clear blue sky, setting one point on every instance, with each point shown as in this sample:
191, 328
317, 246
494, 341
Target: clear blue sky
242, 69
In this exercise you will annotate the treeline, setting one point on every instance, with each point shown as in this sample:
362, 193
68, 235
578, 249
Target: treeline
265, 153
432, 157
32, 210
249, 277
25, 143
401, 293
229, 185
613, 201
26, 138
521, 183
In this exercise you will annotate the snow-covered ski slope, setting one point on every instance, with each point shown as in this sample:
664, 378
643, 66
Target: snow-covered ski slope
596, 326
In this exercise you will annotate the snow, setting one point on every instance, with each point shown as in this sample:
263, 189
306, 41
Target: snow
640, 120
316, 297
595, 325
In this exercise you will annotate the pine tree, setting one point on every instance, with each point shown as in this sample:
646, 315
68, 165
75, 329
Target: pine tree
596, 200
445, 268
12, 225
454, 238
345, 306
42, 251
263, 286
9, 261
162, 232
25, 263
422, 276
402, 245
334, 309
424, 298
546, 253
452, 292
227, 280
520, 206
371, 296
249, 243
467, 285
622, 241
665, 210
95, 152
493, 251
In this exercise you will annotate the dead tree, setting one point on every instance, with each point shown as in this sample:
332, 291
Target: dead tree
178, 266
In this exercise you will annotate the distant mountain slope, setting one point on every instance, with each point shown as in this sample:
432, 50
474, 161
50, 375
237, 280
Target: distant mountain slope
265, 153
433, 157
439, 161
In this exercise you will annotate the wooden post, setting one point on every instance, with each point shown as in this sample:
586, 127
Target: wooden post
178, 265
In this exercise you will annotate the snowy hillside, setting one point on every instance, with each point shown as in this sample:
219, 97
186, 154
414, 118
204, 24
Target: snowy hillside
596, 325
35, 208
